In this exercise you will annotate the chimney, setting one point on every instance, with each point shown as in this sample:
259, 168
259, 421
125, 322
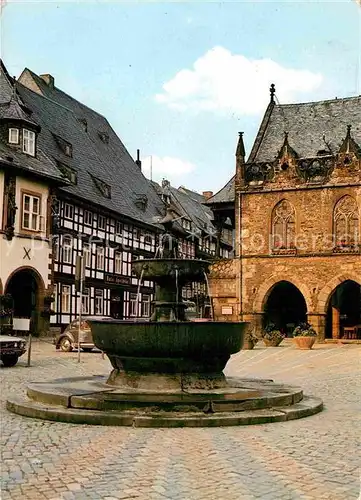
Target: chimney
49, 80
138, 160
207, 194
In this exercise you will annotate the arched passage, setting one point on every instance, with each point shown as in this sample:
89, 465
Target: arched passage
343, 318
27, 290
284, 306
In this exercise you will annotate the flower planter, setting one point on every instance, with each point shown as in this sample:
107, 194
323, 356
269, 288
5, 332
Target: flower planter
304, 342
248, 344
273, 342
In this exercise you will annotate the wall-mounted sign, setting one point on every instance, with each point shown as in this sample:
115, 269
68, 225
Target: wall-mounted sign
227, 310
21, 324
116, 280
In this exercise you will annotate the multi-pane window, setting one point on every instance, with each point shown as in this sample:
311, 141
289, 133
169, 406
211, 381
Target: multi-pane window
13, 136
88, 218
100, 259
98, 302
87, 255
283, 225
118, 262
133, 304
28, 142
31, 212
67, 250
101, 222
68, 211
65, 298
145, 312
85, 301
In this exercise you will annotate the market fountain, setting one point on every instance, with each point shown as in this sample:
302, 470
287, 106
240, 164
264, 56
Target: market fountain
166, 372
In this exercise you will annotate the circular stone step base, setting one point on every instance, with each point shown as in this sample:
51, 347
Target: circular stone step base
22, 406
89, 400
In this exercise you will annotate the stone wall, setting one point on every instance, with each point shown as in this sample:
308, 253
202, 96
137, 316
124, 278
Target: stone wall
223, 288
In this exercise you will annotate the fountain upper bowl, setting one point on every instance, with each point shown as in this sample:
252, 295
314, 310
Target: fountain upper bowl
160, 269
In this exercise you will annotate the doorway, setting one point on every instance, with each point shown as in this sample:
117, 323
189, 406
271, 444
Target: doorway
285, 307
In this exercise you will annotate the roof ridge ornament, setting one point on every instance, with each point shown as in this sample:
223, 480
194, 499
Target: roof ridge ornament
272, 92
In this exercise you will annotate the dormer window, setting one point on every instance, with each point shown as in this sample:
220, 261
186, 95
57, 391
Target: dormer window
13, 136
103, 188
64, 145
29, 142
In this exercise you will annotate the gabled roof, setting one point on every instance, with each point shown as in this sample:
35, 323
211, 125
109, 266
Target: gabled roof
61, 115
311, 127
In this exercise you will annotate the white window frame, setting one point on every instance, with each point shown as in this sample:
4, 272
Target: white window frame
87, 254
145, 306
118, 262
68, 211
29, 142
133, 305
34, 216
65, 299
11, 131
85, 301
98, 302
102, 226
88, 218
67, 250
100, 258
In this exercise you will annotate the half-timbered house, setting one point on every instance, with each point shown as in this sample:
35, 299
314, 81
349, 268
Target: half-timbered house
28, 176
107, 212
199, 236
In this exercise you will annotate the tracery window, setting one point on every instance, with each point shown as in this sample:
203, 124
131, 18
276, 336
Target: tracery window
283, 225
346, 222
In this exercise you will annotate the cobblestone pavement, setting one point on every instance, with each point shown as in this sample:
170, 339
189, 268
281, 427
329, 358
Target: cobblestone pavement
312, 458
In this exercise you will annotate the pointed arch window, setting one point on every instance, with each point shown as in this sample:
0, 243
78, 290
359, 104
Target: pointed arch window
346, 222
283, 226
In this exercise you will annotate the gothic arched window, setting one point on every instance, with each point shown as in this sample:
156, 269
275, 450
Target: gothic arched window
283, 225
346, 221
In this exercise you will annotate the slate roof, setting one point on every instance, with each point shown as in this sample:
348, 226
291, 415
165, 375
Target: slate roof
311, 127
189, 205
11, 109
64, 117
224, 195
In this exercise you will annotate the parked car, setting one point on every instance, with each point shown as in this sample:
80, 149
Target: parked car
11, 348
68, 339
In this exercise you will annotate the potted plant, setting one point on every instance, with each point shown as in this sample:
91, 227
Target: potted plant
304, 335
250, 340
272, 336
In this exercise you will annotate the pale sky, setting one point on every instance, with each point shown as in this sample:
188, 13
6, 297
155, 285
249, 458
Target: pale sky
179, 80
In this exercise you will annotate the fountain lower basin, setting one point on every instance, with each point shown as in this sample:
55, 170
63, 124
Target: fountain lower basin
167, 355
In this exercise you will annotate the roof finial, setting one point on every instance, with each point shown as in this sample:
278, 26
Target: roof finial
272, 92
240, 151
348, 130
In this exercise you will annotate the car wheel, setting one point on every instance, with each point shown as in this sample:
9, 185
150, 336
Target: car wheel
10, 360
87, 349
65, 344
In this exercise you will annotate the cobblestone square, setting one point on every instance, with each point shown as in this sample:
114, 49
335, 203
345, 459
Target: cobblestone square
312, 458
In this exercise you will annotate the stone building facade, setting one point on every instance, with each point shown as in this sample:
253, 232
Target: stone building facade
297, 202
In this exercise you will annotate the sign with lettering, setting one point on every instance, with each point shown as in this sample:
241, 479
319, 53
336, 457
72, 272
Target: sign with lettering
227, 310
116, 280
